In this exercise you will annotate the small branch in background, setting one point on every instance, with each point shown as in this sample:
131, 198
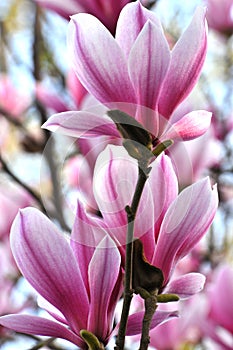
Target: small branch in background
22, 184
11, 119
49, 343
49, 146
43, 343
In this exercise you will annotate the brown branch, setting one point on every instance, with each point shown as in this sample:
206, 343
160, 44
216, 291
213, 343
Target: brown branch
22, 184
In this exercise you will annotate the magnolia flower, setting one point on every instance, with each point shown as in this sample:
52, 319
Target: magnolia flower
135, 72
79, 284
11, 199
168, 224
107, 11
183, 330
220, 15
221, 311
12, 100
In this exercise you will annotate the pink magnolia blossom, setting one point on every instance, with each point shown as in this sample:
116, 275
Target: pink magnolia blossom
220, 15
12, 198
12, 100
183, 330
107, 11
221, 311
168, 224
136, 72
51, 100
193, 158
79, 284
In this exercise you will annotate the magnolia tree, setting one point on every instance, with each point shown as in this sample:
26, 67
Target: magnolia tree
116, 237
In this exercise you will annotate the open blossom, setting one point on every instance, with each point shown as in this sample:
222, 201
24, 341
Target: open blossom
107, 11
11, 199
221, 310
168, 224
12, 100
220, 15
136, 72
79, 284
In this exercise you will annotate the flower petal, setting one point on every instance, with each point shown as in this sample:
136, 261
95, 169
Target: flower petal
87, 233
39, 326
81, 124
148, 64
114, 182
48, 263
103, 271
192, 125
134, 326
131, 21
184, 224
187, 285
188, 57
98, 60
164, 188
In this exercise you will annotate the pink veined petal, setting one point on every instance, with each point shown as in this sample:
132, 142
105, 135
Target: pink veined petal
160, 190
48, 263
164, 188
98, 60
131, 21
39, 326
148, 64
189, 127
103, 274
187, 285
187, 59
134, 326
87, 233
81, 124
114, 182
52, 310
185, 222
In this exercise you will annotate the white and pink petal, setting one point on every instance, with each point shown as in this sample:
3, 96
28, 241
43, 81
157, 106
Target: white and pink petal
47, 261
81, 124
98, 60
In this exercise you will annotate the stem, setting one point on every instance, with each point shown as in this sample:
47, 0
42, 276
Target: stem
143, 172
150, 308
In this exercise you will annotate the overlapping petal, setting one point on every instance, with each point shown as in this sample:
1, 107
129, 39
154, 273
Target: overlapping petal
131, 21
104, 270
48, 263
187, 285
87, 233
187, 59
135, 321
189, 127
39, 326
98, 60
185, 222
148, 64
81, 124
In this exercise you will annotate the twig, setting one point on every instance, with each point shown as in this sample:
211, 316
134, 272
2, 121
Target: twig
49, 142
143, 173
22, 184
150, 308
42, 343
